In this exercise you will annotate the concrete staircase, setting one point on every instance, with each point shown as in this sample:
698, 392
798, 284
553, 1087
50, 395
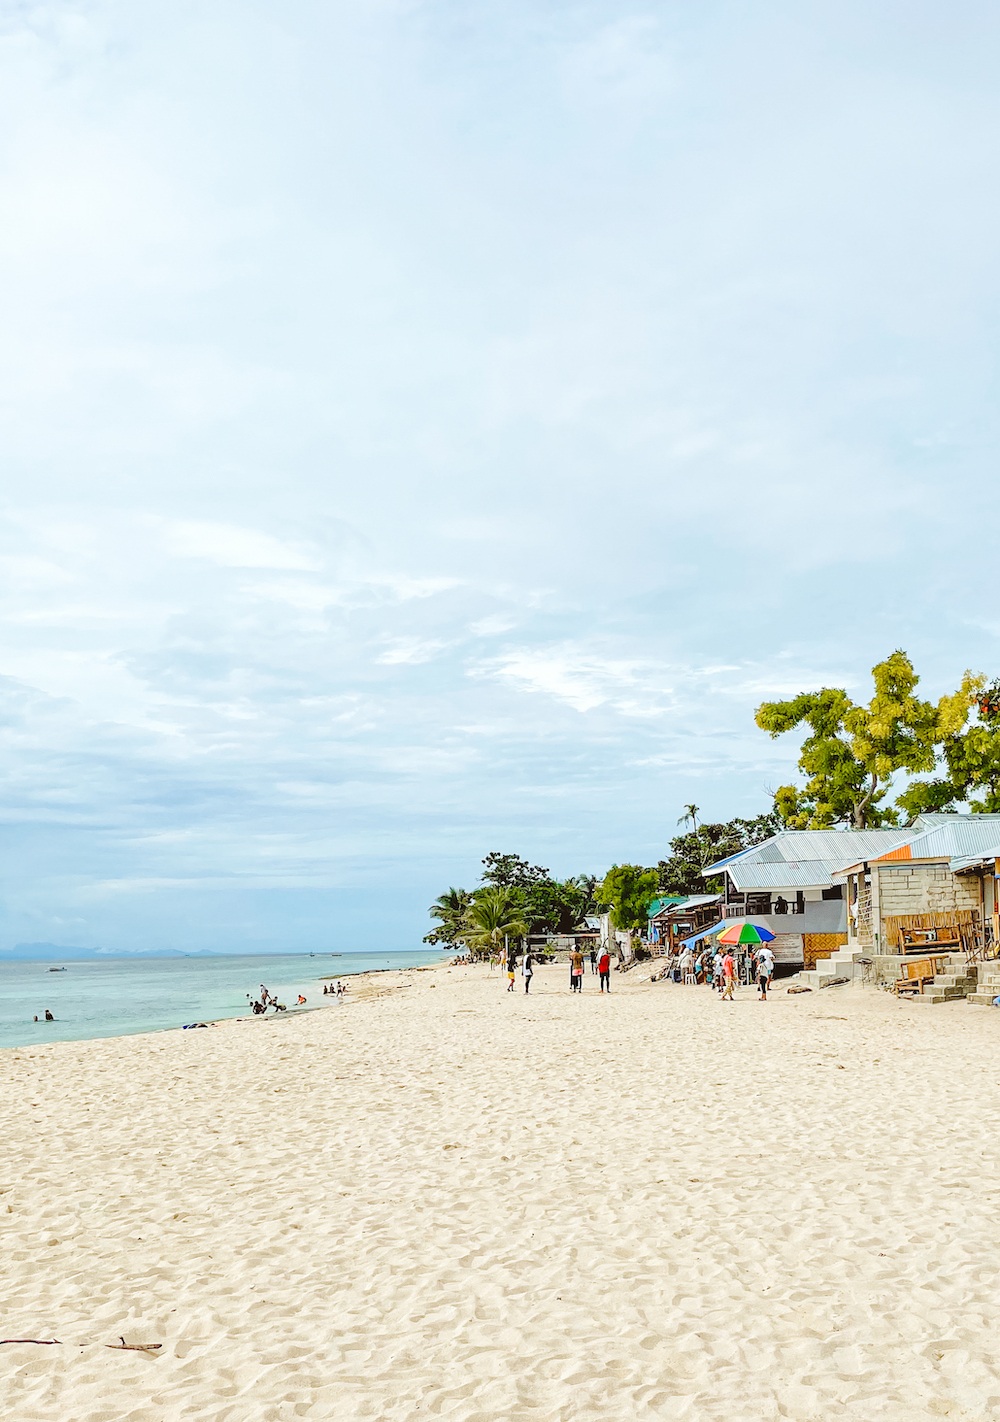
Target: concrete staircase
839, 965
946, 987
989, 985
955, 985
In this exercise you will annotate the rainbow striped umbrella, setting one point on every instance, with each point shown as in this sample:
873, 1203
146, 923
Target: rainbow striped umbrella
746, 933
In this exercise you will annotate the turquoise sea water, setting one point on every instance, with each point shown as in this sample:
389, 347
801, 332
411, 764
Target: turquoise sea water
119, 996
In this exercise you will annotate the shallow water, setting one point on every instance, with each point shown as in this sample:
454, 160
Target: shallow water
119, 996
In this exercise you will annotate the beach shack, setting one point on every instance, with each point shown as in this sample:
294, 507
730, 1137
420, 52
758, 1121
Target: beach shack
682, 918
787, 885
935, 888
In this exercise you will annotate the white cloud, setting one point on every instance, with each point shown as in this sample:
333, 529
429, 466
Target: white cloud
234, 547
410, 651
569, 674
628, 342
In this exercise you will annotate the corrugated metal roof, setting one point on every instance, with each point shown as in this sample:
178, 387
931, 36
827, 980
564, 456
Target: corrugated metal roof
665, 901
960, 837
814, 874
810, 846
968, 861
682, 905
925, 822
721, 863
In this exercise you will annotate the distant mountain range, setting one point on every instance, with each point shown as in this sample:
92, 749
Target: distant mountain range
60, 952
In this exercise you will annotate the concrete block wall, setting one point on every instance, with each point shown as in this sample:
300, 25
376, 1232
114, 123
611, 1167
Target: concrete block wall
925, 888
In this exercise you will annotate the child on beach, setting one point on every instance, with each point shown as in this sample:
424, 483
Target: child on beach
511, 969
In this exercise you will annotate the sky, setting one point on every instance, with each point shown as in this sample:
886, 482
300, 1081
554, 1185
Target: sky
431, 427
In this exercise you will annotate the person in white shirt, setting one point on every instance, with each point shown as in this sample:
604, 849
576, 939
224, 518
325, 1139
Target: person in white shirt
765, 967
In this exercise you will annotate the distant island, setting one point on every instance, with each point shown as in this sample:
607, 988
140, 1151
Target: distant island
49, 952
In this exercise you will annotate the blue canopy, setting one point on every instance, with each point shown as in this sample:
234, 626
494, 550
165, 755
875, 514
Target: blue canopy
704, 933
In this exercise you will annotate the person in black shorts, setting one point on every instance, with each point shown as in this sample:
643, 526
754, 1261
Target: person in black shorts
604, 968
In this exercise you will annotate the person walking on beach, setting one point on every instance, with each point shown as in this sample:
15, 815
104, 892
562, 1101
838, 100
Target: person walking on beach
717, 970
604, 968
576, 970
728, 977
593, 961
511, 970
527, 969
765, 967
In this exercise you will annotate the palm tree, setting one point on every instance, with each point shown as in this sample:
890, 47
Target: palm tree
450, 908
690, 816
492, 916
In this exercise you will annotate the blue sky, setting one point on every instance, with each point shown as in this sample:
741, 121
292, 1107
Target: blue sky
430, 428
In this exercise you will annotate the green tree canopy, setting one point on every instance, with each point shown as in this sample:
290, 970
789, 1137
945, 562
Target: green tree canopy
450, 909
681, 873
512, 872
852, 752
628, 890
492, 917
969, 757
534, 900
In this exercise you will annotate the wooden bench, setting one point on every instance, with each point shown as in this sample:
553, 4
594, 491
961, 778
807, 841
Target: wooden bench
915, 973
929, 932
916, 940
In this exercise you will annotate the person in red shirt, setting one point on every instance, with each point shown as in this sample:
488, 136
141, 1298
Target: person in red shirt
604, 968
728, 977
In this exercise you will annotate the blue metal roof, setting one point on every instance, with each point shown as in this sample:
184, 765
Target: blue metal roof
704, 932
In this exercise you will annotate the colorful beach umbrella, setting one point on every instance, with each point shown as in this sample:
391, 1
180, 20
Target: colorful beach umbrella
746, 933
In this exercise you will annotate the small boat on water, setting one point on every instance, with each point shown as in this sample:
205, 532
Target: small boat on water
57, 970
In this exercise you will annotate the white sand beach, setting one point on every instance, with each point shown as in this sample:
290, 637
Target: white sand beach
451, 1201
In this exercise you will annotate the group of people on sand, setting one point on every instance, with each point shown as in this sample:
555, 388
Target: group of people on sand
598, 965
716, 967
337, 989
